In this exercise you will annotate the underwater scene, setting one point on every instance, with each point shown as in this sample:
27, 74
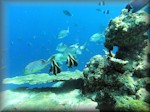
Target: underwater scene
75, 56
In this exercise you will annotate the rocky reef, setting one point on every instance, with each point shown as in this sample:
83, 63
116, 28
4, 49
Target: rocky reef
121, 82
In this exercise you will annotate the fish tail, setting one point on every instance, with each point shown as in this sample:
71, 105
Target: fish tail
75, 63
58, 70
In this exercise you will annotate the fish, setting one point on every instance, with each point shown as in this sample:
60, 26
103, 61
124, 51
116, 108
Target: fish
77, 48
135, 5
83, 46
98, 9
67, 13
96, 37
75, 24
106, 11
59, 58
71, 61
29, 44
55, 68
74, 49
19, 39
103, 11
36, 66
61, 47
101, 3
128, 7
63, 33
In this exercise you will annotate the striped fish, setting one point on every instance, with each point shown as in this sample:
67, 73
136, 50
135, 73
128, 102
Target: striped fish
71, 61
55, 69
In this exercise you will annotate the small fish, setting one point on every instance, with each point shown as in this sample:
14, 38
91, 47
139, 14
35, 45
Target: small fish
67, 13
106, 11
75, 24
63, 33
19, 39
98, 9
59, 58
101, 3
35, 66
71, 61
61, 47
76, 48
55, 69
29, 44
128, 7
96, 37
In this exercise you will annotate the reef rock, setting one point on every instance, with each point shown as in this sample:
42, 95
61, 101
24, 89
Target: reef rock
93, 74
125, 104
127, 29
143, 95
115, 82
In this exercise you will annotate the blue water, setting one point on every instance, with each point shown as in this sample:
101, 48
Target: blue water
31, 28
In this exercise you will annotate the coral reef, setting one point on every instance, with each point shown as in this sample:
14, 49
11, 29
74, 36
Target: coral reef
127, 29
121, 82
44, 78
126, 104
117, 82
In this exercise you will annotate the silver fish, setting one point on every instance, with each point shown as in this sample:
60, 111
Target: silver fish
101, 3
61, 47
73, 49
35, 66
96, 37
59, 58
76, 48
63, 33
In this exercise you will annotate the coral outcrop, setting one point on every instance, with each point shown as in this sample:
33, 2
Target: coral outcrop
44, 78
127, 30
121, 82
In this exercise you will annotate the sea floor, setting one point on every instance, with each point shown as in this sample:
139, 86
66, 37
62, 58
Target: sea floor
57, 98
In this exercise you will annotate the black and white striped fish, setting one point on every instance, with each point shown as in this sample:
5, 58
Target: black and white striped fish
71, 61
55, 68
